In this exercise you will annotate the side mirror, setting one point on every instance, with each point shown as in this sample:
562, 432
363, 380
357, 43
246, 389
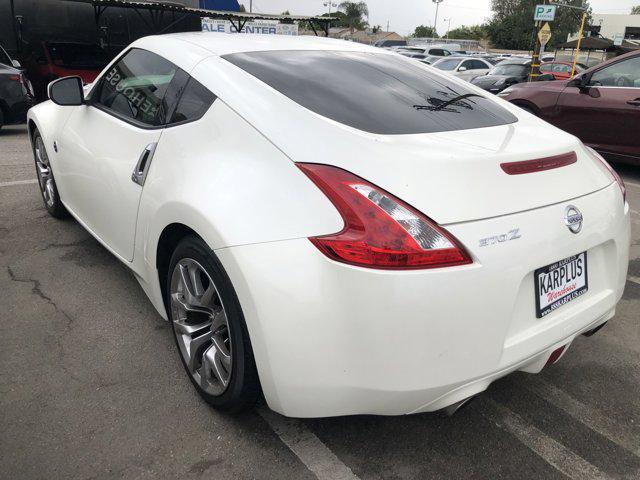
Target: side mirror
462, 69
66, 91
581, 82
16, 64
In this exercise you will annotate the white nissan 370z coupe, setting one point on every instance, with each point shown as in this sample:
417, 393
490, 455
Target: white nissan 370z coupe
341, 228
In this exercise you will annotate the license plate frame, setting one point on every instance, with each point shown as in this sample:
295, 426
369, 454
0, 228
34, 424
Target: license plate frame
581, 284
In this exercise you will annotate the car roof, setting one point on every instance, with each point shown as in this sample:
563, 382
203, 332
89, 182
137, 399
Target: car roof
516, 61
228, 43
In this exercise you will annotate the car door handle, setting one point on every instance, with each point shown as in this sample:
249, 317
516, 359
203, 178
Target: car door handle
635, 102
139, 174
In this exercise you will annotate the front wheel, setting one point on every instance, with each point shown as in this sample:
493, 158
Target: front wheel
47, 183
209, 328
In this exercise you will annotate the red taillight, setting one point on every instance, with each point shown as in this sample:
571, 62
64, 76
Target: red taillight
540, 164
614, 174
15, 78
380, 230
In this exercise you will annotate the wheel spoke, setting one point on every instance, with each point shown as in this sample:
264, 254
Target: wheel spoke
219, 321
213, 363
208, 295
196, 281
223, 353
194, 345
188, 329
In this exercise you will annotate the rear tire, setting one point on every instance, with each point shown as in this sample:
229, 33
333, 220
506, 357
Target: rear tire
46, 180
209, 328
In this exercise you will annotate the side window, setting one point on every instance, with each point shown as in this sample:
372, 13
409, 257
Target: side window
136, 85
621, 74
193, 104
468, 64
546, 67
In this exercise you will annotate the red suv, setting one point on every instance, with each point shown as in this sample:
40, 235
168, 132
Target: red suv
601, 106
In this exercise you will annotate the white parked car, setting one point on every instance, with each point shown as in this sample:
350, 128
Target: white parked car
463, 67
343, 228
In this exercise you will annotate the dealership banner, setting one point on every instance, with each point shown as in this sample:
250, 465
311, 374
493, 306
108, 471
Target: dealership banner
264, 27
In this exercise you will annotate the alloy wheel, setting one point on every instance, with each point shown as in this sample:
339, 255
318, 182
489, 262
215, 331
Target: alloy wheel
45, 177
201, 326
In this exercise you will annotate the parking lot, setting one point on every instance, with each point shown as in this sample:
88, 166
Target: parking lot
91, 385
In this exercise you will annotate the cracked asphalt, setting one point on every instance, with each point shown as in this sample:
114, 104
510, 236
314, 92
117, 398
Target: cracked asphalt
91, 386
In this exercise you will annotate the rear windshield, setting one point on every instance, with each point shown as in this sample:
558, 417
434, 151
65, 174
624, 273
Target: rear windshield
377, 93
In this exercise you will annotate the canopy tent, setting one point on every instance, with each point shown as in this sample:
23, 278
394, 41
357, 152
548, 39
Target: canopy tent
157, 11
599, 43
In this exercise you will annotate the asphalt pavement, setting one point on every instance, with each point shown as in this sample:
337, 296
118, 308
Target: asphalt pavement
91, 386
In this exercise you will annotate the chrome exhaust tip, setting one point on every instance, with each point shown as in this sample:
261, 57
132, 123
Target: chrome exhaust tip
456, 407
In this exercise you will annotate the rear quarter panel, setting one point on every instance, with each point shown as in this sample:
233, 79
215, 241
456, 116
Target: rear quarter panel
541, 99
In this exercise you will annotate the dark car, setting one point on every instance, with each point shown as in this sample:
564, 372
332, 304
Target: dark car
601, 106
390, 43
49, 61
16, 96
505, 74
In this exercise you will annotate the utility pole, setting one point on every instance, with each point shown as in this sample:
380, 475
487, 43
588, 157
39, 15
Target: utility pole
559, 4
435, 21
387, 26
535, 58
575, 57
250, 6
448, 26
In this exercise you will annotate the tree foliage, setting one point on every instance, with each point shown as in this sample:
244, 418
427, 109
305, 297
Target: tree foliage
635, 10
472, 32
356, 14
512, 26
342, 20
425, 31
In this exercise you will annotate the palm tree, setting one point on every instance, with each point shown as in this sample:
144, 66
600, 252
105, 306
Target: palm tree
356, 13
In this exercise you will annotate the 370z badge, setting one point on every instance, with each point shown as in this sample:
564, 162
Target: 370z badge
560, 283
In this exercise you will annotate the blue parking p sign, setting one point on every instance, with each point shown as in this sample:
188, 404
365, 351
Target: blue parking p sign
545, 13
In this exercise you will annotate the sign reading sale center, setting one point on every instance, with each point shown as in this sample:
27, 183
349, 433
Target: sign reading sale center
259, 27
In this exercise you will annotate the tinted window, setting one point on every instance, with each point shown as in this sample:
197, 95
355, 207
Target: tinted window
479, 65
193, 104
135, 86
621, 74
377, 93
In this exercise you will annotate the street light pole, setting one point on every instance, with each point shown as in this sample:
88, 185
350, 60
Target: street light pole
330, 4
435, 21
448, 26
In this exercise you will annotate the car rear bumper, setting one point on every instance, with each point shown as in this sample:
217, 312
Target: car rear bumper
332, 339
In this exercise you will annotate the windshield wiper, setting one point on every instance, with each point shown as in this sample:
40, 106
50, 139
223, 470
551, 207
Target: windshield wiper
447, 103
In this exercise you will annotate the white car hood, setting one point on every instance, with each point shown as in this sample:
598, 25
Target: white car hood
449, 176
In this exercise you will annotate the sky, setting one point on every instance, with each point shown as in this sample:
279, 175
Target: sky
404, 15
